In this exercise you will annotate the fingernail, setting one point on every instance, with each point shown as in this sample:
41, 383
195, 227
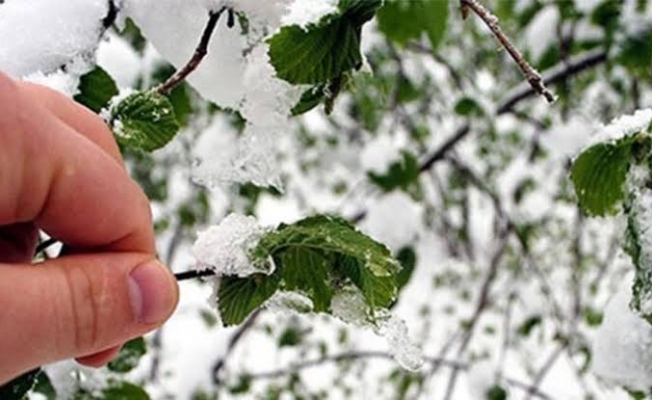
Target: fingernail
152, 295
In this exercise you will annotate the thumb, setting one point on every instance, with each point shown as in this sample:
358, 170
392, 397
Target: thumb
79, 305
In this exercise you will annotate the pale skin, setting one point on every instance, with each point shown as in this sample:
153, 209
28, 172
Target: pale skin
61, 172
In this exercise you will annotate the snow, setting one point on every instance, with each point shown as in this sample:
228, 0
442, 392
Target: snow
623, 126
405, 351
306, 12
223, 158
44, 35
380, 153
284, 302
267, 100
349, 305
60, 81
621, 352
175, 26
394, 219
119, 60
225, 248
540, 33
68, 376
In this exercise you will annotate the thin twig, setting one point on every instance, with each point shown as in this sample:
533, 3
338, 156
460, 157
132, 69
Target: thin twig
532, 75
356, 355
233, 341
193, 274
197, 57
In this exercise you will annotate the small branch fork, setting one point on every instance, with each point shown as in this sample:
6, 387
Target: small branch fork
532, 76
198, 56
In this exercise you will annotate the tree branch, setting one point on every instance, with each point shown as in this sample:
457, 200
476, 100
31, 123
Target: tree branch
233, 341
356, 355
193, 274
532, 75
197, 57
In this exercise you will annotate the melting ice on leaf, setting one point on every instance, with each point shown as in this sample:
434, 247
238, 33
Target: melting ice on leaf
144, 121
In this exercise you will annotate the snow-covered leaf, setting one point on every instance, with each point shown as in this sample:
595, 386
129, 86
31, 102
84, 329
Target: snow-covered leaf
144, 121
321, 52
328, 234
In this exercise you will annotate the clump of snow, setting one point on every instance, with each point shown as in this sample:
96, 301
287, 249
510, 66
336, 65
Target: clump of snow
284, 301
267, 100
59, 80
67, 377
621, 352
252, 157
44, 35
624, 126
225, 248
306, 12
404, 350
349, 305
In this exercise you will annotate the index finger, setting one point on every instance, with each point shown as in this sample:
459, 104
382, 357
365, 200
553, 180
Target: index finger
68, 185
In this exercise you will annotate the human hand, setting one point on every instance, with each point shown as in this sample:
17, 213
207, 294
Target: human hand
61, 171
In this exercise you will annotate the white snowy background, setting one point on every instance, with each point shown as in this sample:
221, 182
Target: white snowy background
38, 37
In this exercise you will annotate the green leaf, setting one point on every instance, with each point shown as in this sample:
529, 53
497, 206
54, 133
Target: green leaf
407, 257
144, 121
529, 324
96, 89
599, 175
379, 291
405, 20
309, 100
17, 388
124, 391
466, 106
307, 270
238, 297
328, 234
401, 174
635, 52
320, 252
129, 356
496, 393
44, 386
291, 336
324, 51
